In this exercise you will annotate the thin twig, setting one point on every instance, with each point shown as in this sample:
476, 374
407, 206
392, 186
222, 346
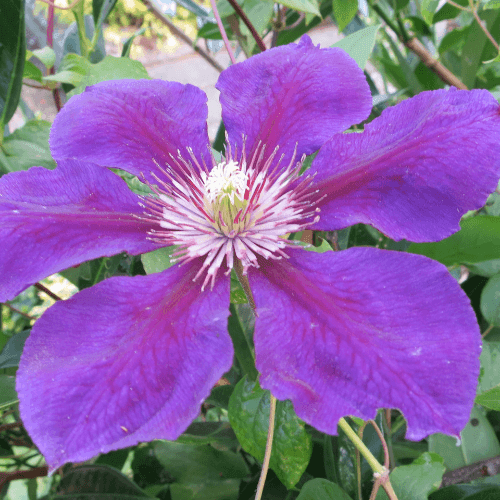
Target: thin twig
477, 470
249, 25
488, 330
180, 34
485, 30
13, 309
269, 448
222, 31
44, 289
458, 6
416, 46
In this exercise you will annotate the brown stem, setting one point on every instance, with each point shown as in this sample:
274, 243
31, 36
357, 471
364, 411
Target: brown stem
179, 33
248, 24
44, 289
477, 470
443, 72
19, 312
6, 477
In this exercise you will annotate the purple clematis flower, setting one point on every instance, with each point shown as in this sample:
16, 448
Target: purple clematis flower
338, 333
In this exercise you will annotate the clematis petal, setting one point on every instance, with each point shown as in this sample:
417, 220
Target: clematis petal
128, 360
347, 333
296, 94
416, 169
54, 219
131, 124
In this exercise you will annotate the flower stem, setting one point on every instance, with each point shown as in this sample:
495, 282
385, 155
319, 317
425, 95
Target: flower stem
248, 24
243, 279
269, 447
222, 31
372, 461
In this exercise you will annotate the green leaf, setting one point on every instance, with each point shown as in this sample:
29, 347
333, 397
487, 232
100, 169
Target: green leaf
101, 10
478, 442
87, 482
190, 464
359, 45
492, 4
240, 326
490, 361
344, 12
204, 433
128, 43
467, 492
477, 47
8, 394
490, 399
27, 147
416, 481
221, 490
72, 69
111, 68
490, 301
311, 6
322, 489
478, 240
11, 353
249, 417
193, 7
158, 260
46, 55
32, 72
427, 9
12, 57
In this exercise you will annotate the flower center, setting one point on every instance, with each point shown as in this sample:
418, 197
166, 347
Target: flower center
225, 188
239, 208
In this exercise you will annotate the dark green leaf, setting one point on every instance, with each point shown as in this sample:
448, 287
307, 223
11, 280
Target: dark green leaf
467, 492
220, 396
490, 361
477, 241
128, 43
478, 48
27, 147
322, 489
8, 394
220, 490
12, 57
490, 300
220, 434
101, 10
249, 417
448, 11
11, 353
91, 481
344, 12
197, 464
359, 45
240, 326
416, 481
